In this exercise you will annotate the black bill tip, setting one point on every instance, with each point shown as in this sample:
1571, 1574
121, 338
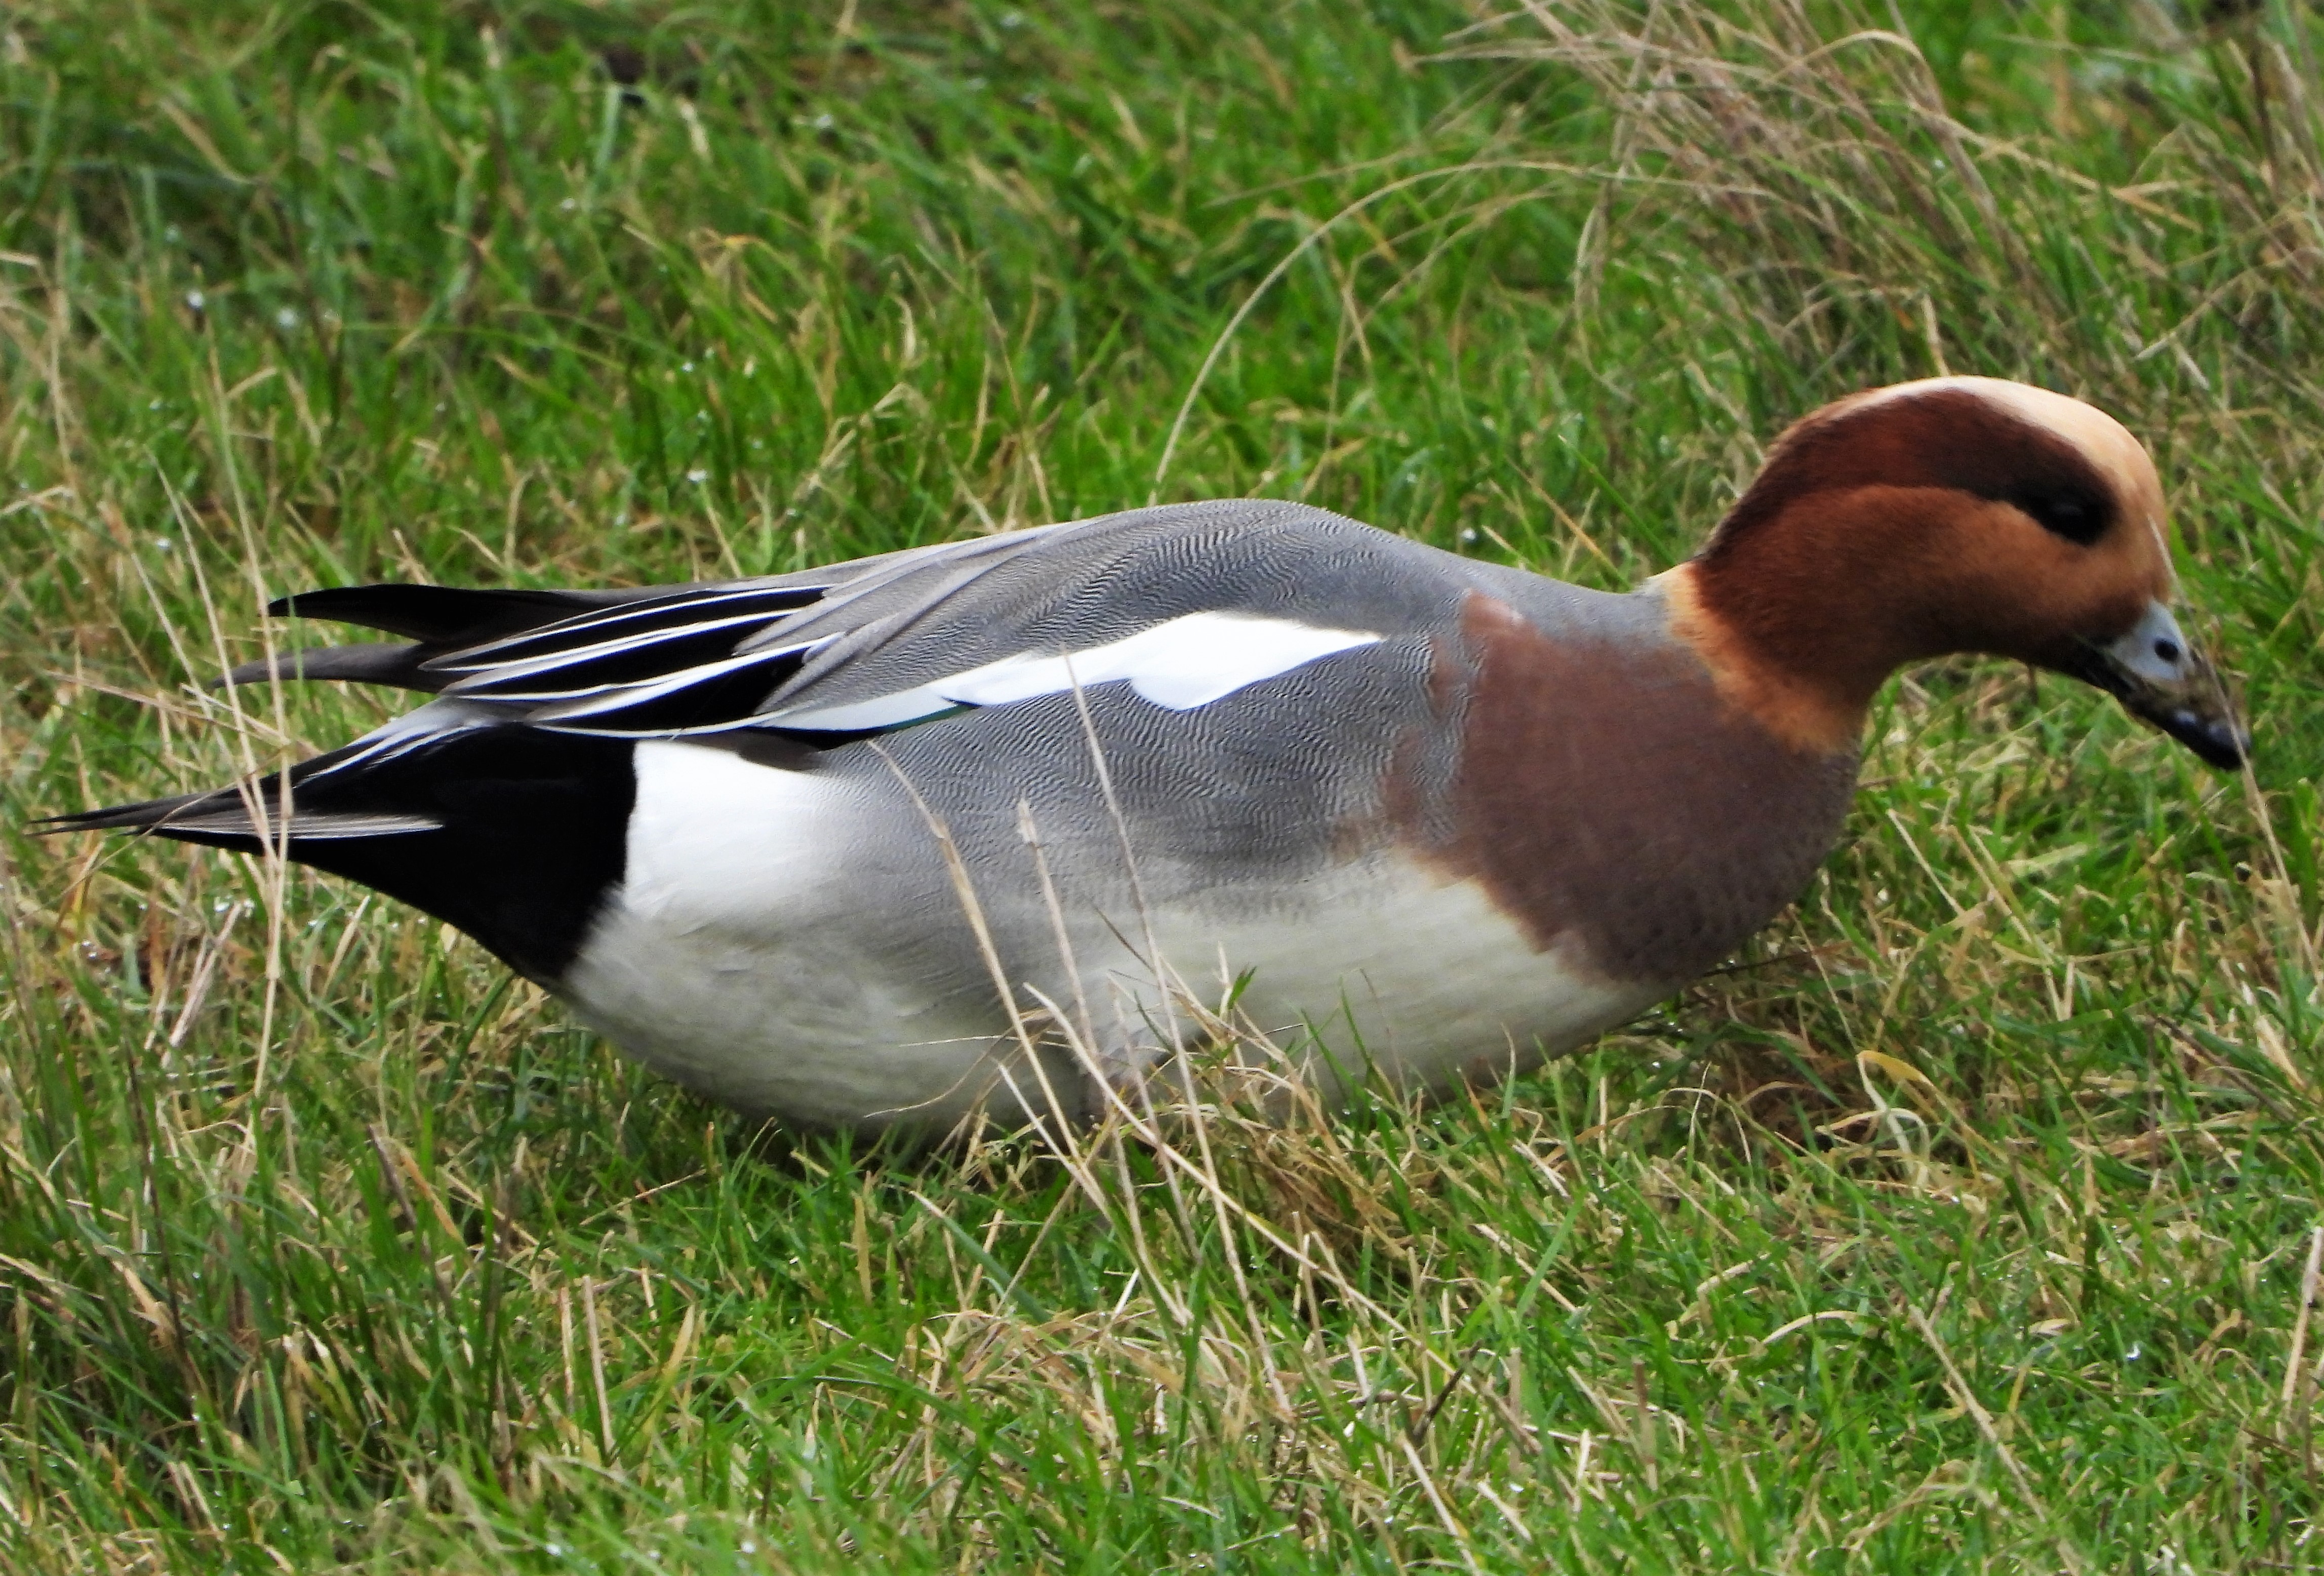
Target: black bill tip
2216, 738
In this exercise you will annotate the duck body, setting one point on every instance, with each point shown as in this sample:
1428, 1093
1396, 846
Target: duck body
814, 846
1350, 837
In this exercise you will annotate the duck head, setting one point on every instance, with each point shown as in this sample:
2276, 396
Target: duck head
1956, 514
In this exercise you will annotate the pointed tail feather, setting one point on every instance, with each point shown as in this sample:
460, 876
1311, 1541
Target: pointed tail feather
500, 626
372, 662
244, 816
437, 618
450, 615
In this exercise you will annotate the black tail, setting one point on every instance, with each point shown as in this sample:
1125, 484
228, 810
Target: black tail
514, 834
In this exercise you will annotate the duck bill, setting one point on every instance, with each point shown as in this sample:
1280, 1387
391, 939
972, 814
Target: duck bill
2197, 714
2160, 679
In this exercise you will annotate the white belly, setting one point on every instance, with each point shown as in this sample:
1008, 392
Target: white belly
739, 959
1397, 972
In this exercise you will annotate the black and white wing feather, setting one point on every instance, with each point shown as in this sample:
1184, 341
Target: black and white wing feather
1184, 601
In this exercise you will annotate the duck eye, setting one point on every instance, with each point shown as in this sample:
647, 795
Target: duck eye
2077, 518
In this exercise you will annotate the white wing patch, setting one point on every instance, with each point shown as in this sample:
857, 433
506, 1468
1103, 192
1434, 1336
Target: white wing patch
1187, 663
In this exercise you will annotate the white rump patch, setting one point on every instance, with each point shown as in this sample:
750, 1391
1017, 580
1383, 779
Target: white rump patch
1187, 663
716, 840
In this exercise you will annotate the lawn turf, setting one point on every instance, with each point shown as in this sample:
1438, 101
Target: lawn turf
1964, 1224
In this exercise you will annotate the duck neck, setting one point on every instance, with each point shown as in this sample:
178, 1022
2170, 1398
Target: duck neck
1795, 666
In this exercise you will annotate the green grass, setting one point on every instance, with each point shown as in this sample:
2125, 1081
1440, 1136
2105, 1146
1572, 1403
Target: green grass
1964, 1227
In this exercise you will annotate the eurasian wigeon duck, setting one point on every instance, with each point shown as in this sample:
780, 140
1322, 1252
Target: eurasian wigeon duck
1439, 817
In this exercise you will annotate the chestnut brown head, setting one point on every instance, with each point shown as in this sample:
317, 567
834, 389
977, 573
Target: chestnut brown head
1956, 514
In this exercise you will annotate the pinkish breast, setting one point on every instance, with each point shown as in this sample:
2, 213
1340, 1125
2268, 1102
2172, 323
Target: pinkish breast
1609, 801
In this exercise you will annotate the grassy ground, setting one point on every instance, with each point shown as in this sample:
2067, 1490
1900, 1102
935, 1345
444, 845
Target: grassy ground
1968, 1224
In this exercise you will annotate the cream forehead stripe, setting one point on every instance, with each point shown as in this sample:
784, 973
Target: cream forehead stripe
1186, 662
2108, 442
